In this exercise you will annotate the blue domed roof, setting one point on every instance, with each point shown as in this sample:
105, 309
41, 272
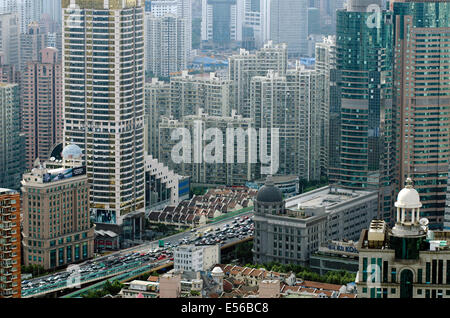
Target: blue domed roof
269, 193
72, 152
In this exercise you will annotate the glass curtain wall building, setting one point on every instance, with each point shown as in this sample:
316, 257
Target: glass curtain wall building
362, 135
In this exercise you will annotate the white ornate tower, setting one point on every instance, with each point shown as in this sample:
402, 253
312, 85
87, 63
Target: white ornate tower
408, 205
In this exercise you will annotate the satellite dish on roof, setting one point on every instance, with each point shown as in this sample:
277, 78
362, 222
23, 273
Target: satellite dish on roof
424, 221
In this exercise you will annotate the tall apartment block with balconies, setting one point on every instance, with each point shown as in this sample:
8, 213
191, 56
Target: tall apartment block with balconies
103, 78
10, 282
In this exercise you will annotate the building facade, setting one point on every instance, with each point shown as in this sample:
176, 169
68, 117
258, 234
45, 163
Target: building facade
196, 258
56, 219
42, 118
10, 254
293, 104
289, 231
167, 49
222, 21
422, 97
245, 65
12, 145
31, 44
364, 67
103, 78
409, 260
157, 104
189, 93
10, 39
229, 165
289, 24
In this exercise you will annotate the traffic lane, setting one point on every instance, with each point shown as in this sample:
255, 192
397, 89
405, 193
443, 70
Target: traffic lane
175, 239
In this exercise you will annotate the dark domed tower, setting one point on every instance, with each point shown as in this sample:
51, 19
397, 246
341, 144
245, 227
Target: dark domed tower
269, 199
269, 203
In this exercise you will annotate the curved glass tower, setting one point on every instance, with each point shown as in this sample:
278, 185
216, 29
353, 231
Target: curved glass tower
364, 136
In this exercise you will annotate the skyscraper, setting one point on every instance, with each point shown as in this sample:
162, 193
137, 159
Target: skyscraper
9, 38
326, 66
222, 21
12, 163
42, 118
103, 77
245, 65
157, 104
257, 21
53, 9
422, 98
31, 44
167, 49
364, 63
189, 93
292, 103
289, 24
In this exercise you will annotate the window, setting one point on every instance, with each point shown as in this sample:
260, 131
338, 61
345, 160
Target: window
419, 276
393, 291
393, 275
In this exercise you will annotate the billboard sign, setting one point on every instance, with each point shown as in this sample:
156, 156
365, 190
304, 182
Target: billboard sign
61, 174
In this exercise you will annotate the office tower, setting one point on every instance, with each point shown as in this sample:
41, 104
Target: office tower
10, 255
12, 161
103, 78
326, 66
245, 65
209, 171
31, 44
256, 25
56, 220
157, 104
289, 24
42, 119
167, 49
422, 33
293, 104
53, 9
9, 38
189, 93
222, 21
364, 62
328, 10
314, 21
408, 260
